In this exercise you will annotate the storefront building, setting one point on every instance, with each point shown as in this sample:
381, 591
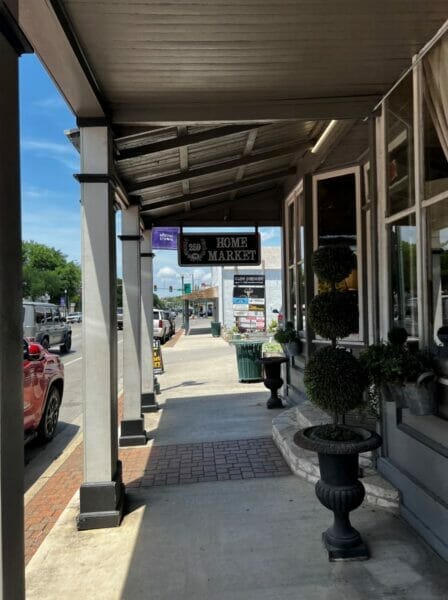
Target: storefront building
382, 188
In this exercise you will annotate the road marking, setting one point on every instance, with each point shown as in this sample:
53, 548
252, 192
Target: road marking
70, 362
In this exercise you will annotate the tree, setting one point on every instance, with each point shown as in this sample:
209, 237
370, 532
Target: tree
47, 271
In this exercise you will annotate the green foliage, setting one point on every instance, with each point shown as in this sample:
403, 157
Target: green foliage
393, 363
286, 335
158, 303
334, 314
272, 327
397, 336
47, 271
334, 380
332, 264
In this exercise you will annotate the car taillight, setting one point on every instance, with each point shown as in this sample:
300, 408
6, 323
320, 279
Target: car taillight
160, 323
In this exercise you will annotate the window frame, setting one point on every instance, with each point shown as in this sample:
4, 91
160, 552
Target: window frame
356, 171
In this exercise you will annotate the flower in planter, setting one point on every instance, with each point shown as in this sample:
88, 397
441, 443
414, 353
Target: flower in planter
289, 338
399, 374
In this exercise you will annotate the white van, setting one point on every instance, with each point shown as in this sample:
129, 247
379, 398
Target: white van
43, 323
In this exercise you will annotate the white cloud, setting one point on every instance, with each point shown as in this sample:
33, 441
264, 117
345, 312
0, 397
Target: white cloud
51, 102
268, 234
166, 273
64, 153
206, 278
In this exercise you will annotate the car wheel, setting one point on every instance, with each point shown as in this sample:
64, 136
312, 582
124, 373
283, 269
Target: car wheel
49, 421
45, 343
65, 347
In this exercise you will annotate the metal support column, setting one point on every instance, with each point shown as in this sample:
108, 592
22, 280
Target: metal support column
148, 399
12, 566
102, 492
132, 427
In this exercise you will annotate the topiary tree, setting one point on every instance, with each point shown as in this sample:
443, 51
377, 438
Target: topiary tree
334, 378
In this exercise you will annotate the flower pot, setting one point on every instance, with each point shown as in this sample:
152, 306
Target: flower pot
272, 378
441, 366
421, 396
339, 489
394, 392
292, 348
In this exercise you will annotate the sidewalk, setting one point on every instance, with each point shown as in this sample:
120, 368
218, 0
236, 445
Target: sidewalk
215, 513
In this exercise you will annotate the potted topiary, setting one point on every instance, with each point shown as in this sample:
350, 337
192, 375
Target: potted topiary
335, 382
289, 339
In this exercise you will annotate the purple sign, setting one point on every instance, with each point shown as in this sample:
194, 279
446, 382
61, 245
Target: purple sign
165, 238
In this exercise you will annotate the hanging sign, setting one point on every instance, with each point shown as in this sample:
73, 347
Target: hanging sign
157, 360
219, 249
241, 280
165, 238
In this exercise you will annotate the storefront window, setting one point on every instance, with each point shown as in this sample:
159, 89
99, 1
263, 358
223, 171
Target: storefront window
438, 248
292, 304
436, 163
400, 148
403, 265
336, 218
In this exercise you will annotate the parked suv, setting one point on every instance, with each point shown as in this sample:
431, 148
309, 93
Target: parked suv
171, 320
43, 385
161, 325
44, 324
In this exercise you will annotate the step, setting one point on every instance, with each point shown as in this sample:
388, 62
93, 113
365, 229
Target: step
305, 464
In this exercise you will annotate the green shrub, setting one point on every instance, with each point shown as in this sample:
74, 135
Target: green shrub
397, 336
334, 315
332, 264
286, 335
334, 380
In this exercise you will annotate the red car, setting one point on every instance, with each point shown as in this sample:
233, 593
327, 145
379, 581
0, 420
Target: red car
43, 385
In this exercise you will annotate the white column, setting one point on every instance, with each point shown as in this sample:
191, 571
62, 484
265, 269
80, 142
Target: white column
101, 494
11, 350
148, 403
132, 426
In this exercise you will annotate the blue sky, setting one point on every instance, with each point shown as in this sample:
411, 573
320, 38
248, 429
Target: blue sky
50, 194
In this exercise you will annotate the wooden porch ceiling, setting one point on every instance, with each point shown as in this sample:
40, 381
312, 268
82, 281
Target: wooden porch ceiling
215, 103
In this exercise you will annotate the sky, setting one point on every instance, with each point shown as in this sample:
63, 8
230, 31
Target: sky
51, 195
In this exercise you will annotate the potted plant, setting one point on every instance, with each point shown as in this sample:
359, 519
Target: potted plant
441, 358
289, 339
402, 375
335, 382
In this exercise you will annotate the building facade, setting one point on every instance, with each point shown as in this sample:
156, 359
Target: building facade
382, 188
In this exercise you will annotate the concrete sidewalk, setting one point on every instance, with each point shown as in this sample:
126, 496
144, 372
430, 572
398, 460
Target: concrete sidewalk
214, 513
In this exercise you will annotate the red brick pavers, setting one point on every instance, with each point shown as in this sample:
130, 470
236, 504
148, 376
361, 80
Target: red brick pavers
207, 461
153, 466
46, 506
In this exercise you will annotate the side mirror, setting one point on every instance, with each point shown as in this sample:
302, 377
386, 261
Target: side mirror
35, 352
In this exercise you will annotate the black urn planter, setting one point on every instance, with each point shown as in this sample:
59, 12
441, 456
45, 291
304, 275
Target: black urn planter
272, 379
339, 489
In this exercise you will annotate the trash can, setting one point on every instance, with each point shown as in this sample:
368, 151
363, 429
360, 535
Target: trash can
216, 328
248, 354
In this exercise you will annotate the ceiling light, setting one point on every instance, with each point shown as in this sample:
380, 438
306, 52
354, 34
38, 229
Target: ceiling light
323, 137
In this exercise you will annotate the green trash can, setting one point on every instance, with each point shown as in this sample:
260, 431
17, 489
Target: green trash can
248, 354
216, 328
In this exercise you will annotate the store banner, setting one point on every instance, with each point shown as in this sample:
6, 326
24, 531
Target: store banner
219, 249
165, 238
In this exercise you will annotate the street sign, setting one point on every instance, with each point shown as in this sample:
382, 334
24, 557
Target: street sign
157, 360
187, 288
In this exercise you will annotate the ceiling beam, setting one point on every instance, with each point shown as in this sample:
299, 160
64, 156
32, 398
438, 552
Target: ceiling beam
221, 213
48, 30
147, 184
338, 107
184, 140
210, 193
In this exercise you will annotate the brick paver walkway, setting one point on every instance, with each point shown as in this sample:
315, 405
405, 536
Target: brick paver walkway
154, 466
209, 461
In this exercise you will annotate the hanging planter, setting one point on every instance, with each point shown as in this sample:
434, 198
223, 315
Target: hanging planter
289, 340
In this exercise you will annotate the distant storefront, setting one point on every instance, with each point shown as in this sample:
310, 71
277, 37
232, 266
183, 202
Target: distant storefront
248, 296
